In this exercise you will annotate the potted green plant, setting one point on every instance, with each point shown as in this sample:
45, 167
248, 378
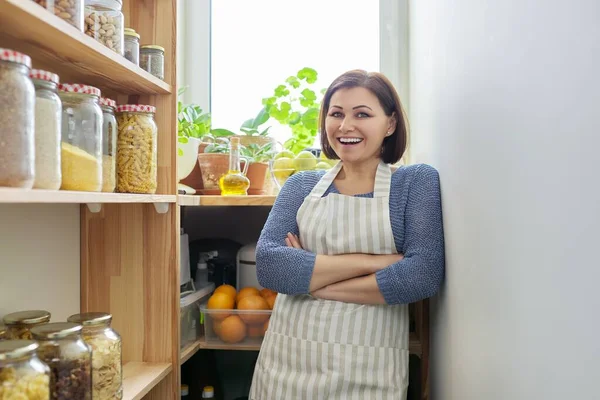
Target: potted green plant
258, 157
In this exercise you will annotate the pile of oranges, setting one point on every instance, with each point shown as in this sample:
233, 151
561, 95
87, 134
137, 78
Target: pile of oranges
235, 327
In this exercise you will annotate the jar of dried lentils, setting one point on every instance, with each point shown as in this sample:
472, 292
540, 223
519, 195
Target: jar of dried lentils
69, 359
69, 10
136, 149
152, 59
107, 379
22, 374
48, 110
19, 324
17, 105
104, 22
109, 144
81, 155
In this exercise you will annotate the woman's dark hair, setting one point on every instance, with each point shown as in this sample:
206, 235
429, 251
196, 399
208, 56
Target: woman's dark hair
394, 145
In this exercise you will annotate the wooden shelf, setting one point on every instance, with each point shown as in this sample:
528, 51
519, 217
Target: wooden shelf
139, 378
56, 45
64, 196
192, 200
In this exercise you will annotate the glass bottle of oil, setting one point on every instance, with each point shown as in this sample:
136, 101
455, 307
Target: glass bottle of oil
234, 182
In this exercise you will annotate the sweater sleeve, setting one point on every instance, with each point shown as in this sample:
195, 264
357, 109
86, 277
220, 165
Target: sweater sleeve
278, 267
419, 275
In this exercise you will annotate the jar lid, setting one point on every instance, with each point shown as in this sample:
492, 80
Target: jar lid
136, 108
131, 32
208, 389
27, 317
91, 318
10, 349
153, 46
2, 329
105, 101
42, 75
79, 88
55, 330
185, 390
15, 56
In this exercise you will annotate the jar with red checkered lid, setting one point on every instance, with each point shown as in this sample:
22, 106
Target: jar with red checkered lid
17, 108
81, 147
48, 109
136, 149
109, 144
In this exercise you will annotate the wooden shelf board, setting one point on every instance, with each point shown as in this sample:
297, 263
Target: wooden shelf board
193, 200
56, 45
189, 351
8, 195
139, 378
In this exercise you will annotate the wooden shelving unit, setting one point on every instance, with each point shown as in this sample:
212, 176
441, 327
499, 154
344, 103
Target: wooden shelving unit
64, 196
193, 200
139, 378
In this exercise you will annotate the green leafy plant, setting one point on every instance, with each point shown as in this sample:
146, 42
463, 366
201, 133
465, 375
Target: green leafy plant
256, 153
191, 120
295, 103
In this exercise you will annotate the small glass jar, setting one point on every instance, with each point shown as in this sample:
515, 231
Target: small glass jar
104, 21
48, 111
69, 10
81, 147
69, 359
3, 332
107, 378
136, 149
17, 110
22, 374
109, 144
132, 46
19, 324
152, 59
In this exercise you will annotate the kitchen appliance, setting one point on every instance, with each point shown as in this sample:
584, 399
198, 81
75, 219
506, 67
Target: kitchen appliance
246, 267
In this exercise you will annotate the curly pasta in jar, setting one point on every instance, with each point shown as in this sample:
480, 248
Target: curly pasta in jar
22, 374
136, 149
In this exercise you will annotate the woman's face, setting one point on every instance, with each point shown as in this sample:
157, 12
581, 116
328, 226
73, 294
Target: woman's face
356, 124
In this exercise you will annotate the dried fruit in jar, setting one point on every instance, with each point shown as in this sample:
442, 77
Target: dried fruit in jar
28, 385
106, 367
69, 10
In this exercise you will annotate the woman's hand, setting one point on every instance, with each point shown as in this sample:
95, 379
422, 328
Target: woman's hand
293, 241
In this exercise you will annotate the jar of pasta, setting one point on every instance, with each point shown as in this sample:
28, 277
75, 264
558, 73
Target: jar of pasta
69, 359
109, 144
136, 149
81, 155
22, 374
48, 110
69, 10
17, 105
107, 376
104, 22
19, 324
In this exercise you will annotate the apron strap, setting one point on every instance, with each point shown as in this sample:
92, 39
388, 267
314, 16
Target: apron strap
326, 181
383, 180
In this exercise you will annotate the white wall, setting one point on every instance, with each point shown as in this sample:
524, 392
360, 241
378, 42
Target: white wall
504, 102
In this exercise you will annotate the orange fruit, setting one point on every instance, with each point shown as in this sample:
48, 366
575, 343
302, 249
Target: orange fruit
220, 301
217, 327
251, 303
247, 291
227, 289
232, 329
255, 331
271, 301
267, 292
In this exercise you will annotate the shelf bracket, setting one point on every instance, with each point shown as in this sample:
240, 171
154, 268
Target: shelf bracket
161, 208
94, 207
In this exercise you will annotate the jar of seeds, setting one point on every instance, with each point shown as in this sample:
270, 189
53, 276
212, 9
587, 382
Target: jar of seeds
104, 22
152, 59
132, 46
69, 10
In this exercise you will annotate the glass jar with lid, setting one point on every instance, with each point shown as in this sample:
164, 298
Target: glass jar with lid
104, 22
69, 10
19, 323
69, 359
132, 46
48, 110
17, 108
107, 379
22, 374
3, 332
152, 59
81, 147
109, 144
136, 149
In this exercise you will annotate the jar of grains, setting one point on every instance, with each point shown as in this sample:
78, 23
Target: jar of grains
69, 10
104, 22
48, 109
17, 105
22, 374
132, 46
81, 155
109, 144
19, 324
136, 149
69, 359
107, 379
152, 59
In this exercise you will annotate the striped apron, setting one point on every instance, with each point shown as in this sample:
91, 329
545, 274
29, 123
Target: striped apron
321, 349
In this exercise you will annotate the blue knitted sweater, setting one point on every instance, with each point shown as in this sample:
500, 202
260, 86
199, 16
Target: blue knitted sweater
416, 219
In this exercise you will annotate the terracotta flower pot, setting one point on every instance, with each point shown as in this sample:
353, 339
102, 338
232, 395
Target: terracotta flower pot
257, 173
194, 179
213, 167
